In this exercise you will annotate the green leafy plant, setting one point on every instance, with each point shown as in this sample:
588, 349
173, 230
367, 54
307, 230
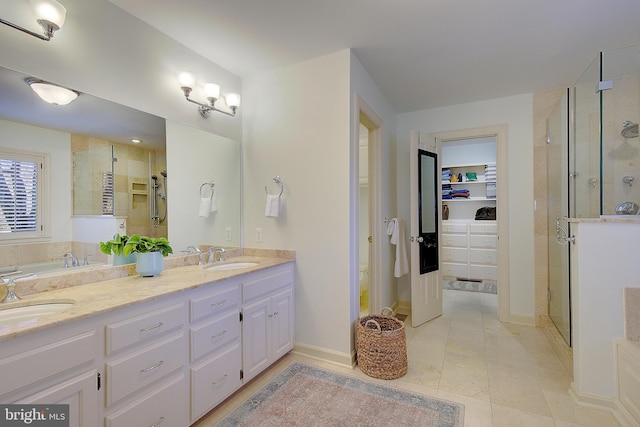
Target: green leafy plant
114, 246
144, 244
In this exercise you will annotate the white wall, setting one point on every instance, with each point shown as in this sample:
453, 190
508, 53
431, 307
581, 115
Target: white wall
298, 124
201, 157
58, 145
106, 52
517, 113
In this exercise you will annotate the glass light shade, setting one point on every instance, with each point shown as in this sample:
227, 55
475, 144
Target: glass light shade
233, 99
186, 80
212, 90
53, 94
49, 10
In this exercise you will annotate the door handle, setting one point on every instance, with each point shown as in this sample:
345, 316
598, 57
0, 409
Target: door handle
418, 239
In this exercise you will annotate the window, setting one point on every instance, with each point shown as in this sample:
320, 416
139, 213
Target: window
21, 184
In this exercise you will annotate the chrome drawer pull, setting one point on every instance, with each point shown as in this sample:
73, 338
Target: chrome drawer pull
151, 368
218, 303
157, 423
150, 328
219, 334
220, 380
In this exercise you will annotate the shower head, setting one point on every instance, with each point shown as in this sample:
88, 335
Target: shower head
629, 129
163, 173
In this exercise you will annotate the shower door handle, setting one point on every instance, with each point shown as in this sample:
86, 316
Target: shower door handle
562, 237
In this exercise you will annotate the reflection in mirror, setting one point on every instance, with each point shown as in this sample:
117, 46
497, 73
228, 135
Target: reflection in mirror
428, 184
93, 132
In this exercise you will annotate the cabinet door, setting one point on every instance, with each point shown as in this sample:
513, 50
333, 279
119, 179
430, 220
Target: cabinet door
282, 323
80, 393
256, 337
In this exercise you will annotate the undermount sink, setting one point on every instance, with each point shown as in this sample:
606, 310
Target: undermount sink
232, 266
26, 313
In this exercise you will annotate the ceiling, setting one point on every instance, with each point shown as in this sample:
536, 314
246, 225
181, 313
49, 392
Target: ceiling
422, 54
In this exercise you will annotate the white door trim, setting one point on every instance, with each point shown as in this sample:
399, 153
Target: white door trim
500, 132
365, 114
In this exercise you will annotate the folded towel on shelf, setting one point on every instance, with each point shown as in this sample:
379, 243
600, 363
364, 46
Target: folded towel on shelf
460, 191
272, 208
461, 195
205, 207
395, 229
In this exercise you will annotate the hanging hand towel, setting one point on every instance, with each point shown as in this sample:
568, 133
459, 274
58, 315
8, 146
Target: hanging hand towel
205, 206
395, 229
214, 203
273, 205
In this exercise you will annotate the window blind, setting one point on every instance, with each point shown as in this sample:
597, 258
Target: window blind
18, 195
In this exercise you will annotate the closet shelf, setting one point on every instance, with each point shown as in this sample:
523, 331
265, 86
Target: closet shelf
468, 182
468, 199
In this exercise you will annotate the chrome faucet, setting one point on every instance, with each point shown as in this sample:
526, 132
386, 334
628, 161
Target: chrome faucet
212, 254
10, 283
193, 250
74, 260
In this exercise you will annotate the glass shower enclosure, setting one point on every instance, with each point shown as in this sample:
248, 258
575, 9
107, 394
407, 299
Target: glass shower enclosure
593, 159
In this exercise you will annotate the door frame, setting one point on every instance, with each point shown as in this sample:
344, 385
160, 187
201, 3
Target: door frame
364, 114
500, 132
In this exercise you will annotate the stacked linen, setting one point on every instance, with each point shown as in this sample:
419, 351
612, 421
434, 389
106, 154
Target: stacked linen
490, 173
463, 192
446, 175
446, 191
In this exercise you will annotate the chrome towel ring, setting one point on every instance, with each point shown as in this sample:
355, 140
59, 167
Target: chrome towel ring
211, 185
278, 181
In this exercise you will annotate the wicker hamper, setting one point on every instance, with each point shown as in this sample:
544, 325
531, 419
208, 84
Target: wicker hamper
381, 344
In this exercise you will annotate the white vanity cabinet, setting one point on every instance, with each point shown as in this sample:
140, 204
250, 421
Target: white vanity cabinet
57, 366
267, 319
215, 346
469, 250
145, 364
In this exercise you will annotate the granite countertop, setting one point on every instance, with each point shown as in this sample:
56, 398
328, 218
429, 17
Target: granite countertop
609, 219
104, 296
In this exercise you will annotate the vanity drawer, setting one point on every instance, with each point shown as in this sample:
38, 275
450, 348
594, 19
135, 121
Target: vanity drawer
454, 254
483, 256
454, 270
165, 406
483, 241
215, 379
143, 327
453, 240
454, 228
264, 283
483, 272
490, 228
144, 366
210, 336
215, 301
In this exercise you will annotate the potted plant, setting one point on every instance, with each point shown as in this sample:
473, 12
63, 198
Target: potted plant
115, 247
149, 253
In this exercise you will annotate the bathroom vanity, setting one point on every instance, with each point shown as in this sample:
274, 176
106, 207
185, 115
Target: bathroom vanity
151, 351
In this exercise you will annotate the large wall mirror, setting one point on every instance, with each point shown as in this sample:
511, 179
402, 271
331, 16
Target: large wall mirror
97, 172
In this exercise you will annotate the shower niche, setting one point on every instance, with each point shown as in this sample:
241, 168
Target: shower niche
117, 180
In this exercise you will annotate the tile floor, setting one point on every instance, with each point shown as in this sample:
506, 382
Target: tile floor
505, 375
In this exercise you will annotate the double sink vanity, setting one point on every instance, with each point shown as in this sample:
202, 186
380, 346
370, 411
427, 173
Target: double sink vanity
159, 351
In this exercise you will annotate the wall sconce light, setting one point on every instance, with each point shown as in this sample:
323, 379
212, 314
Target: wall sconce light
53, 94
49, 14
212, 92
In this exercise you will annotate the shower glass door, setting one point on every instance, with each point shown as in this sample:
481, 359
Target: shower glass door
558, 211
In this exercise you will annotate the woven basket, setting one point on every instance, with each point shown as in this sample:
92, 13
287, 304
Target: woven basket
381, 343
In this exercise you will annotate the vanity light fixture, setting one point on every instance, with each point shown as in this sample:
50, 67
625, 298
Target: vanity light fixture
51, 93
212, 92
49, 14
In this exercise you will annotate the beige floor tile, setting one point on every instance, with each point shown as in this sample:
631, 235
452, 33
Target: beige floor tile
504, 416
564, 408
469, 384
477, 412
525, 397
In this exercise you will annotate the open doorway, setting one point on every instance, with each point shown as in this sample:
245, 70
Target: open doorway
364, 238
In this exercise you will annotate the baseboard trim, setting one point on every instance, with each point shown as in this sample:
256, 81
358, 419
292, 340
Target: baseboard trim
403, 307
326, 355
623, 416
557, 343
592, 401
521, 319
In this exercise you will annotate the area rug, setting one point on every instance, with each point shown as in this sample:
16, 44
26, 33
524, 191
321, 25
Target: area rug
304, 395
470, 286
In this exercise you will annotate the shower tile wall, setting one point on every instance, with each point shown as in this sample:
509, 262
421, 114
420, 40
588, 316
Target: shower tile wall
621, 156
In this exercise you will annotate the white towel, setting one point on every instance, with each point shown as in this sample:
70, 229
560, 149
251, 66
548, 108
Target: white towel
273, 205
205, 206
214, 203
395, 229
